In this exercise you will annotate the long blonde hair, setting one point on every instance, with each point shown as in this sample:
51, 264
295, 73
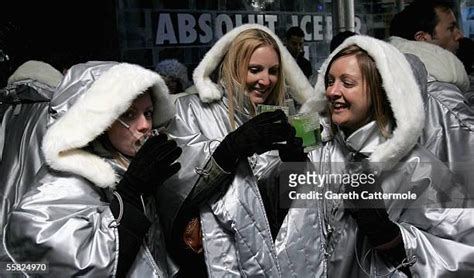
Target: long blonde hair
234, 67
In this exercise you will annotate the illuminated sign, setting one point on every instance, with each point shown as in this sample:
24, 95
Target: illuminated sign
202, 28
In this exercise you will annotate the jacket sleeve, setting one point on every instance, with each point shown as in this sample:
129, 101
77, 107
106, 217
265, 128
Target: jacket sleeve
65, 223
449, 129
444, 247
438, 227
199, 177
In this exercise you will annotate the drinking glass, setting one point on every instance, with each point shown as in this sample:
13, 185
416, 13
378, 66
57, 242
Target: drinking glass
307, 128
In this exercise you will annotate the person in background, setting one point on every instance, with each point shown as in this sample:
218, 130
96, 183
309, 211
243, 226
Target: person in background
432, 21
294, 44
449, 122
217, 221
24, 104
90, 211
175, 75
376, 115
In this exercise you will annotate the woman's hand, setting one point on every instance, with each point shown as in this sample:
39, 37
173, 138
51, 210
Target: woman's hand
371, 215
260, 134
292, 151
152, 165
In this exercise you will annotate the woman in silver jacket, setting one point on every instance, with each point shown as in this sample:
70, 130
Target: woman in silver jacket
420, 227
90, 212
225, 150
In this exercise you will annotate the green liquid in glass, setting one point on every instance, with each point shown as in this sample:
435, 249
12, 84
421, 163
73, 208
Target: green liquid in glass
306, 130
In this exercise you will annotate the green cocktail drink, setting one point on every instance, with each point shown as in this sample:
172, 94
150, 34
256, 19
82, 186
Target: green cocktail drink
307, 128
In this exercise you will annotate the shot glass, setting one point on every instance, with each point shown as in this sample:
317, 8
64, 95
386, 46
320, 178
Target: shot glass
307, 128
141, 138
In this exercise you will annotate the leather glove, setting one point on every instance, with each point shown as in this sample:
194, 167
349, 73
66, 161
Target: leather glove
292, 151
257, 135
151, 166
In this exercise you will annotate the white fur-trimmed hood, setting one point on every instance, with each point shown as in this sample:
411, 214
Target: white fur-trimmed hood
300, 88
440, 63
90, 98
38, 71
402, 92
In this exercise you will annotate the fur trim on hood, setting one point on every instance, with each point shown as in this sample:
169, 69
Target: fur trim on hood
440, 63
38, 71
300, 88
91, 97
402, 92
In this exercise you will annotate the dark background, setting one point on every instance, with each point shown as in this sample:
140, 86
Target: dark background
61, 33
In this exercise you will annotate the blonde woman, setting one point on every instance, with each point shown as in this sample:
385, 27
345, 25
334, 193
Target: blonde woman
226, 148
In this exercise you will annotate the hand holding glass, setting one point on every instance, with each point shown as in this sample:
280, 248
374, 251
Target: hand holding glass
141, 138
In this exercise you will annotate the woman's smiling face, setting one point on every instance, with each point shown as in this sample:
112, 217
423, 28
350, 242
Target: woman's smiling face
262, 74
347, 94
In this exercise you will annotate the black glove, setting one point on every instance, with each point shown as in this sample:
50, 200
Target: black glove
383, 234
292, 151
371, 215
258, 135
151, 166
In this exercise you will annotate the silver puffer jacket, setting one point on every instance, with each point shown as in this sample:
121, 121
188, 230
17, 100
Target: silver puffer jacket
229, 247
65, 219
23, 118
449, 121
437, 224
236, 234
323, 240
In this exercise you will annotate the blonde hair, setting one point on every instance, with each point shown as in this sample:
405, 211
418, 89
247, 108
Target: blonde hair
234, 67
380, 109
